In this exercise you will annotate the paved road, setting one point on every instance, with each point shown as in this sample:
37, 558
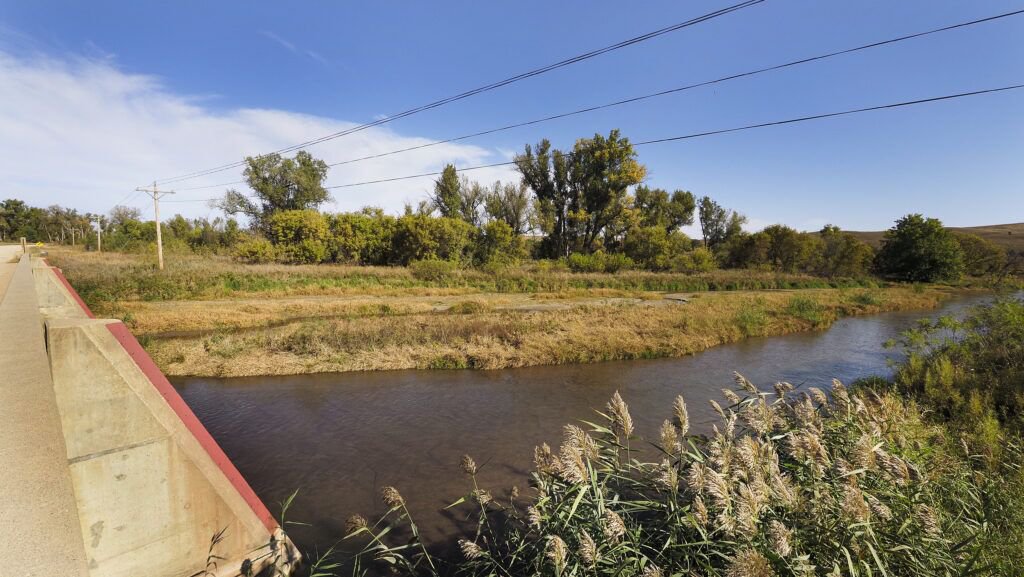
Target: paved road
38, 515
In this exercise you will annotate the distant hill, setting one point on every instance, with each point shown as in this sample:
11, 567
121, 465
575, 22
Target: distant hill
1010, 236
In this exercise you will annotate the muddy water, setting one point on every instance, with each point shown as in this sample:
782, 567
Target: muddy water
338, 438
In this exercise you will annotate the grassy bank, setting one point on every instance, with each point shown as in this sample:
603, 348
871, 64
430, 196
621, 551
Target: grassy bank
215, 317
478, 334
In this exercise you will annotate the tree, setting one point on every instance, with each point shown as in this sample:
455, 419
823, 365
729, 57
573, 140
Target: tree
718, 224
121, 214
657, 208
509, 203
278, 184
842, 254
920, 249
580, 193
981, 257
447, 197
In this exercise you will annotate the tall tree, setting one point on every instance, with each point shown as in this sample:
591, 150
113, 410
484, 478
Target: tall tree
279, 184
718, 224
447, 196
580, 193
509, 203
920, 249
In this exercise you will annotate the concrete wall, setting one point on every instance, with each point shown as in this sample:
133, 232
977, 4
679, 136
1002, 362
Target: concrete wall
151, 485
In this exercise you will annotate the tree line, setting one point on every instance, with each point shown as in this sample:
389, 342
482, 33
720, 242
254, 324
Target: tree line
587, 207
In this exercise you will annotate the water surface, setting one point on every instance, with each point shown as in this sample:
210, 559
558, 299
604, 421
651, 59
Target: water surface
338, 438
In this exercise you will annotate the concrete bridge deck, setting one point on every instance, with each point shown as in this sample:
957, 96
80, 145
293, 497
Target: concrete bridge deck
104, 470
38, 497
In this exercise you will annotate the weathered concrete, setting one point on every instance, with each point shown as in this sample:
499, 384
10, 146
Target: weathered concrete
38, 512
112, 474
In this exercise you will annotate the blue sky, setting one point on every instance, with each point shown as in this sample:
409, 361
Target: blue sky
103, 96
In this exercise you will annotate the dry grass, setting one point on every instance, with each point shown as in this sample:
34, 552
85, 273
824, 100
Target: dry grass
475, 333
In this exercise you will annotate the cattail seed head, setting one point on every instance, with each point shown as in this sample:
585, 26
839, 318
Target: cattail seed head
588, 548
614, 528
700, 512
391, 497
557, 551
669, 438
782, 388
619, 412
744, 384
818, 396
682, 416
730, 396
470, 550
468, 465
878, 509
749, 563
780, 536
354, 523
717, 408
533, 517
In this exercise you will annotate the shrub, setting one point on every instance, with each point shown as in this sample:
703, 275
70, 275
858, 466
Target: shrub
433, 270
255, 250
301, 235
697, 260
806, 308
579, 262
496, 244
969, 369
615, 262
751, 319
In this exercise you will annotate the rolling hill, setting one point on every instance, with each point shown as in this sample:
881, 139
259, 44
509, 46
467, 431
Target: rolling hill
1010, 236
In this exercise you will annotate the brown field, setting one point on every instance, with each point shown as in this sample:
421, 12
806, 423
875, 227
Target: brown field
1010, 236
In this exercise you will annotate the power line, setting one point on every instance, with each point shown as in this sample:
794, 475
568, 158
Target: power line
660, 93
707, 133
486, 88
680, 89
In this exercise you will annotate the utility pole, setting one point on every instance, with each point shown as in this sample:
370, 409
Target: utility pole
99, 235
155, 193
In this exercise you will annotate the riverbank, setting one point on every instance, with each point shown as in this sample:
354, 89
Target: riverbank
212, 317
479, 334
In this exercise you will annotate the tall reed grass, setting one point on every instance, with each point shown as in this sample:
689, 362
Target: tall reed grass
789, 483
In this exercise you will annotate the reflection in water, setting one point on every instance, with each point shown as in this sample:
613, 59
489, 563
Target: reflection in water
339, 437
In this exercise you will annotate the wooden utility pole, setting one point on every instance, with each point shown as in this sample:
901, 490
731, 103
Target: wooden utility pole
157, 194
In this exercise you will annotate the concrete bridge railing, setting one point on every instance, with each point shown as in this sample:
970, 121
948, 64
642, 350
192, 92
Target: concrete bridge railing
150, 486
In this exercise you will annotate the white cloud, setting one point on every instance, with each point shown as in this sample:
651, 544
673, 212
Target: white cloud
281, 41
82, 133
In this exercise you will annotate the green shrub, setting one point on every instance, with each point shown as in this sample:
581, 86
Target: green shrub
806, 308
969, 369
301, 236
615, 262
751, 319
579, 262
255, 250
433, 270
697, 260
